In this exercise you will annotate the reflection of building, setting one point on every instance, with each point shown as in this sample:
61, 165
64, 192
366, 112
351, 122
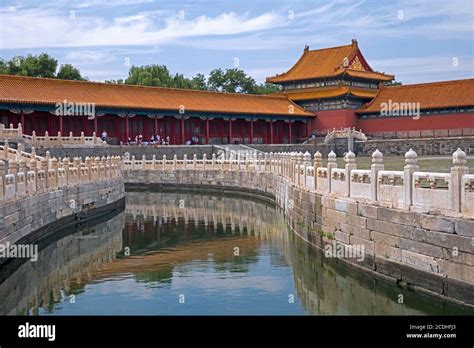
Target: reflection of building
61, 269
165, 231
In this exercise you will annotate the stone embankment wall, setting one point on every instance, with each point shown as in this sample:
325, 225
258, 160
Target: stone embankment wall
425, 250
51, 210
39, 195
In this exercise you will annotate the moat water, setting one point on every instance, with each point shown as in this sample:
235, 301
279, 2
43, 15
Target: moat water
196, 254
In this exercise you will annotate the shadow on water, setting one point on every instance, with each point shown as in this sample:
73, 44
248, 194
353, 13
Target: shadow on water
192, 253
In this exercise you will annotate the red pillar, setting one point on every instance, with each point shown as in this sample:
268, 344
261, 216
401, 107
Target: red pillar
126, 128
207, 131
146, 128
61, 124
22, 121
95, 125
251, 131
182, 132
118, 128
289, 132
271, 132
84, 125
156, 126
229, 141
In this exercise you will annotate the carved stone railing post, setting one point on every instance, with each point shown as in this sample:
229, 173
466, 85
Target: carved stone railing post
331, 164
213, 160
194, 161
66, 168
318, 162
175, 159
143, 162
42, 175
53, 173
376, 166
306, 164
457, 171
5, 150
12, 167
185, 160
204, 160
2, 180
77, 165
350, 160
22, 167
294, 160
164, 162
89, 169
408, 170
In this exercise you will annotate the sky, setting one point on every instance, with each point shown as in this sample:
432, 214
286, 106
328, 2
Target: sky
417, 41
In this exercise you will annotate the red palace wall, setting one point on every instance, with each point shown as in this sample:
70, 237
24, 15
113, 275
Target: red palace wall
428, 122
327, 120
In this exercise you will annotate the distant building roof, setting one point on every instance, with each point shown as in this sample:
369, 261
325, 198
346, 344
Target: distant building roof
435, 95
331, 62
44, 91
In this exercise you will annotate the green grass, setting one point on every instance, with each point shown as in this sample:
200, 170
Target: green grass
440, 164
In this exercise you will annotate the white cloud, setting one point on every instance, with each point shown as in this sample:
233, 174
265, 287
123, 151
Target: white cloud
48, 28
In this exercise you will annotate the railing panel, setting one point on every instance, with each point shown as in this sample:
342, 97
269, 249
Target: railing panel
467, 193
390, 187
431, 190
360, 183
339, 182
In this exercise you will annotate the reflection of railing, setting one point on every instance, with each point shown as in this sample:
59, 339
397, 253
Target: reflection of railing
60, 267
49, 141
226, 211
399, 189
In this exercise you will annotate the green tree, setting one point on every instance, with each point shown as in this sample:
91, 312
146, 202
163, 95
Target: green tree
42, 65
393, 83
3, 66
232, 81
267, 88
199, 82
68, 72
36, 66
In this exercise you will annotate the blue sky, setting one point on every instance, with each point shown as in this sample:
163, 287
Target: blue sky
418, 41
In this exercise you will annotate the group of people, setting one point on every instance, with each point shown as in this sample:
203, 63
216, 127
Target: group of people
154, 140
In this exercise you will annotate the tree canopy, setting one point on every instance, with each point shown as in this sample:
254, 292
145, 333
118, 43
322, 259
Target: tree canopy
42, 65
229, 80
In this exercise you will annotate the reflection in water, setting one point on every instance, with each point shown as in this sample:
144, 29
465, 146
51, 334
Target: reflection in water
177, 253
